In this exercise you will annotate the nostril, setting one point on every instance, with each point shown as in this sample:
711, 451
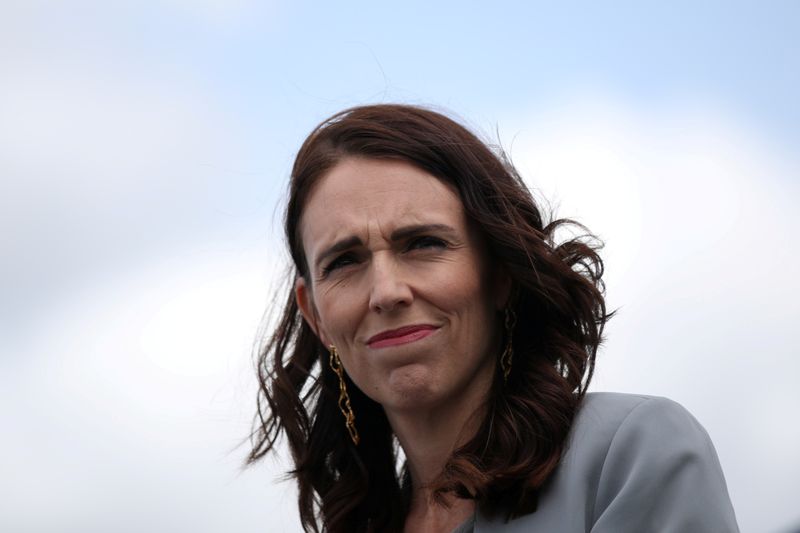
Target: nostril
390, 294
388, 288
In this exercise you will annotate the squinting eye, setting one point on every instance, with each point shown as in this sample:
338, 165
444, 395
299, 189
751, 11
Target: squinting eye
339, 262
426, 242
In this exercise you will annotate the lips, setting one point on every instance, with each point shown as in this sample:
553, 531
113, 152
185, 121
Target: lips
402, 335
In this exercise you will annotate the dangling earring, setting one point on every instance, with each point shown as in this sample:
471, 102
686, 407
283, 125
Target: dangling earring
507, 356
344, 399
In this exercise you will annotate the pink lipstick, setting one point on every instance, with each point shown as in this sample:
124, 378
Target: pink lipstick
404, 335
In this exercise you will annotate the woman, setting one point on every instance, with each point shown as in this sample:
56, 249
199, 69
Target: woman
431, 364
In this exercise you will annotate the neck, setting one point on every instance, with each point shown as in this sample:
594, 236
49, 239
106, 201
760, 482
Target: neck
427, 516
429, 443
429, 435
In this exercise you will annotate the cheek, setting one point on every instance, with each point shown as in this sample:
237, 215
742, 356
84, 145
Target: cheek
339, 311
460, 289
468, 297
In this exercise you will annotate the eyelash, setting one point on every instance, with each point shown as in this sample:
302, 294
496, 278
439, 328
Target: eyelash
415, 244
428, 242
337, 263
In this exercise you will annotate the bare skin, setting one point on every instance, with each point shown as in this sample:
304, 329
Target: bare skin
427, 442
426, 516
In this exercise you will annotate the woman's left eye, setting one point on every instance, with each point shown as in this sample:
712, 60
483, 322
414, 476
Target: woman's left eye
426, 242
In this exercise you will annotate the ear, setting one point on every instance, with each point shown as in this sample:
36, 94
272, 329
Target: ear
305, 302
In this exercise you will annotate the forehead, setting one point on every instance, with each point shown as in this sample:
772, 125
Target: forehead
368, 195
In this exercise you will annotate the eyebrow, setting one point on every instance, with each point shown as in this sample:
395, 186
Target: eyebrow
397, 235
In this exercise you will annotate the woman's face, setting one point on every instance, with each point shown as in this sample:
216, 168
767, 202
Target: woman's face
400, 283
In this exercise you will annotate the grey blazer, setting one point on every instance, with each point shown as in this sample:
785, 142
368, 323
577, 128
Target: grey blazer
634, 464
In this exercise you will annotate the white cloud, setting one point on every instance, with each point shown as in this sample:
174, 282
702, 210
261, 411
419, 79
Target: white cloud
102, 166
696, 211
128, 411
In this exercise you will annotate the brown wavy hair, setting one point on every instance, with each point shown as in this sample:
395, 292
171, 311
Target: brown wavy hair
560, 309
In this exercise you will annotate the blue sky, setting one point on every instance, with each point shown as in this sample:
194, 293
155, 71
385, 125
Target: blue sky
144, 151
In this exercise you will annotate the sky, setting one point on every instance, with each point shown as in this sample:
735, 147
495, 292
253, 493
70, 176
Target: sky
145, 149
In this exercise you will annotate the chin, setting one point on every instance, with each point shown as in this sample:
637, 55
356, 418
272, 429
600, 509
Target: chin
410, 386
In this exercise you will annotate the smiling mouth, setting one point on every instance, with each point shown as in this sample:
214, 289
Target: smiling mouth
399, 336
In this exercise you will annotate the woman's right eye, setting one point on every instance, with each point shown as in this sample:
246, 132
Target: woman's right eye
339, 262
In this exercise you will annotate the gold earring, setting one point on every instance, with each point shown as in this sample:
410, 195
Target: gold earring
344, 399
508, 353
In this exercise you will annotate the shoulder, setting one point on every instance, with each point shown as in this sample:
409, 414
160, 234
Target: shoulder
614, 408
634, 463
612, 429
608, 419
630, 436
660, 469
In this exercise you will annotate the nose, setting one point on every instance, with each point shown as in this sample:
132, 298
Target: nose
389, 290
